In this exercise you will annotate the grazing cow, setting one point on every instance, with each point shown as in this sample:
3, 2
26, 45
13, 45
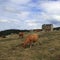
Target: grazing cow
32, 38
21, 34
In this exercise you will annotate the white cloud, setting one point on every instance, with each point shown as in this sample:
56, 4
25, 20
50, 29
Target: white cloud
50, 11
20, 1
15, 21
31, 22
32, 25
43, 16
50, 7
10, 9
23, 15
56, 17
4, 20
10, 21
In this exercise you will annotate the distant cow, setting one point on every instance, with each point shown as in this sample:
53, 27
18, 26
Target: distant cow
32, 38
2, 35
21, 34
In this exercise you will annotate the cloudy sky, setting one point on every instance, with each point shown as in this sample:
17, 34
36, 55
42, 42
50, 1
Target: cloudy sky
28, 14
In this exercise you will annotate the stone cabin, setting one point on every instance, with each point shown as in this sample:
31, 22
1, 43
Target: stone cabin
47, 27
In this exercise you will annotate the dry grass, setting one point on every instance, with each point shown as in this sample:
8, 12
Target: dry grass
47, 47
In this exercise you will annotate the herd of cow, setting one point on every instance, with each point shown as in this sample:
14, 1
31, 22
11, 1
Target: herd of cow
30, 39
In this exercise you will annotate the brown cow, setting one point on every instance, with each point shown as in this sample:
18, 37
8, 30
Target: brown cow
21, 34
32, 38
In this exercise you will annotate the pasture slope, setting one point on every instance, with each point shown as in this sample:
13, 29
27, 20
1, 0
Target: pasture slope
47, 47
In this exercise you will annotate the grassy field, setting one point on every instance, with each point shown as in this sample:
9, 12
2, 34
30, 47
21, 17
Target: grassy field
47, 47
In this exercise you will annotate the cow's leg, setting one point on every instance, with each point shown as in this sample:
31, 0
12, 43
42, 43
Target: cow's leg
31, 44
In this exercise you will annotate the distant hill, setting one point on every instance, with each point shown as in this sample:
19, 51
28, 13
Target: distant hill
57, 28
7, 32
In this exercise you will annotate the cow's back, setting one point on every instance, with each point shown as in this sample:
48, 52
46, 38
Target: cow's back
32, 37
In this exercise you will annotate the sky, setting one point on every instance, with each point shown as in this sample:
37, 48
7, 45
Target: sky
29, 14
